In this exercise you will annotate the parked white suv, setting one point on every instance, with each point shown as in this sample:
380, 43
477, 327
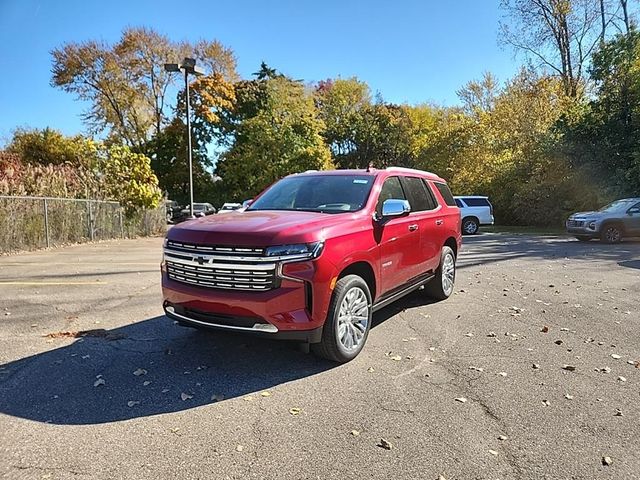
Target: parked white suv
475, 210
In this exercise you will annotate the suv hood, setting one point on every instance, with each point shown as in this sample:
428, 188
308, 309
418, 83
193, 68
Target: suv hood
259, 228
586, 215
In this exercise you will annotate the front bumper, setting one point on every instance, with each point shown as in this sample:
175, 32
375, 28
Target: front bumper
295, 310
582, 228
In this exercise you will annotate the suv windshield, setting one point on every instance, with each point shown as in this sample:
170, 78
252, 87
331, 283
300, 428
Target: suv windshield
617, 205
317, 193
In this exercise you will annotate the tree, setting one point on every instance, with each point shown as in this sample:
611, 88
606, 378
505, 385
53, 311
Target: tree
128, 178
48, 146
277, 132
558, 35
126, 85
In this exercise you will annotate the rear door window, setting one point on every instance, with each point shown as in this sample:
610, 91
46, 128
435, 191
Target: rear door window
443, 188
420, 198
459, 203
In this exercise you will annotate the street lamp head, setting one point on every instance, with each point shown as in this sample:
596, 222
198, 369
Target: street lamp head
172, 67
188, 62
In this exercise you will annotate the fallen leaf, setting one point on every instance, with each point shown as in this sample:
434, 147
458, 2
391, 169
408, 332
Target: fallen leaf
493, 452
385, 444
615, 356
477, 369
558, 342
535, 366
568, 397
618, 413
99, 382
461, 400
502, 374
396, 358
468, 334
622, 379
371, 369
502, 437
606, 461
239, 448
146, 382
546, 403
265, 394
544, 329
569, 368
140, 371
295, 411
564, 329
185, 396
132, 403
491, 334
355, 433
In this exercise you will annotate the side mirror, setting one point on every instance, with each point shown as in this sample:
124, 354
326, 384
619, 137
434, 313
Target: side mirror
633, 211
395, 208
246, 203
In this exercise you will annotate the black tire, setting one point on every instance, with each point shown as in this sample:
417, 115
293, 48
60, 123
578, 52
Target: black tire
436, 289
470, 226
583, 238
611, 233
330, 347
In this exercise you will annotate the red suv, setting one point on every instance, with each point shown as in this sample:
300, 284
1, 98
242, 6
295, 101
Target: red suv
314, 256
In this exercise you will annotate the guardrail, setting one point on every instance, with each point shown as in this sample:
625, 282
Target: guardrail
28, 222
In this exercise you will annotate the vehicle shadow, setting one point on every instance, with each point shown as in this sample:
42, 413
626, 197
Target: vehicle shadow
150, 368
492, 248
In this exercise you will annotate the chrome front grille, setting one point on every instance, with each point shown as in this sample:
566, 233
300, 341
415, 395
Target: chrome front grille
233, 268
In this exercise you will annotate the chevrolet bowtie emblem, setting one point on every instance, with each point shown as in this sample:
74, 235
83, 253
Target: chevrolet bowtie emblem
201, 260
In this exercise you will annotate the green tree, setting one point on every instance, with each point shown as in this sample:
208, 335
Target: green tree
277, 132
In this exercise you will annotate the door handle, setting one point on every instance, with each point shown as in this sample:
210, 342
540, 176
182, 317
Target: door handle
439, 221
413, 228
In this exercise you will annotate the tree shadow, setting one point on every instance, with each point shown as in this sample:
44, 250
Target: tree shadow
147, 366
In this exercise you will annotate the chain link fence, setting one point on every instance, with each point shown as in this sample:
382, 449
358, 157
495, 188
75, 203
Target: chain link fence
28, 223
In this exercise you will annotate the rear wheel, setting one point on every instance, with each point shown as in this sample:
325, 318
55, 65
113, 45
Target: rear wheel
611, 233
348, 321
441, 286
470, 226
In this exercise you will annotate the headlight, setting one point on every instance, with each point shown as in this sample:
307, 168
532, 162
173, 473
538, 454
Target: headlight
299, 251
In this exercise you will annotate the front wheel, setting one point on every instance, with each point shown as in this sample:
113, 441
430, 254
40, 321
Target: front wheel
441, 286
611, 234
348, 321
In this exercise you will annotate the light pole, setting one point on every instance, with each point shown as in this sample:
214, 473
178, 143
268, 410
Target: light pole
188, 66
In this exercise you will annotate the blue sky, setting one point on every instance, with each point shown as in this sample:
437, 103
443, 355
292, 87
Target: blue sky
409, 50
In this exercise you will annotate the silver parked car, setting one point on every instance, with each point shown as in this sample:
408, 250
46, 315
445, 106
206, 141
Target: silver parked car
610, 224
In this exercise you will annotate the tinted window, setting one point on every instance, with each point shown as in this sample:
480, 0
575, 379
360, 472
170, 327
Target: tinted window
477, 202
420, 198
446, 194
391, 188
459, 203
317, 193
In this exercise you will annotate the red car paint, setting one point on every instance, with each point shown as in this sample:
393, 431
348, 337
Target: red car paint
395, 251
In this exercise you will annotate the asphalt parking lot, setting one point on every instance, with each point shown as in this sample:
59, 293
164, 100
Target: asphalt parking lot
528, 372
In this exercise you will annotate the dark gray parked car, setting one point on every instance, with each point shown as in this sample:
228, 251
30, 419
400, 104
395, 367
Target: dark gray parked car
610, 224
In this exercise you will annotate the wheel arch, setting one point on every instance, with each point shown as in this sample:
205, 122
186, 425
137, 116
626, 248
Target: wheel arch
452, 244
365, 271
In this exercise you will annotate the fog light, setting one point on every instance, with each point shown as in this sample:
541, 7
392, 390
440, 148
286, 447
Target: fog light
592, 225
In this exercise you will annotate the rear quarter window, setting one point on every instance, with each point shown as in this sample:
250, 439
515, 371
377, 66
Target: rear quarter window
443, 188
477, 202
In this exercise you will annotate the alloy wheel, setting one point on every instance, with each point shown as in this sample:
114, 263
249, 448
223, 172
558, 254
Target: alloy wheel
448, 273
353, 319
